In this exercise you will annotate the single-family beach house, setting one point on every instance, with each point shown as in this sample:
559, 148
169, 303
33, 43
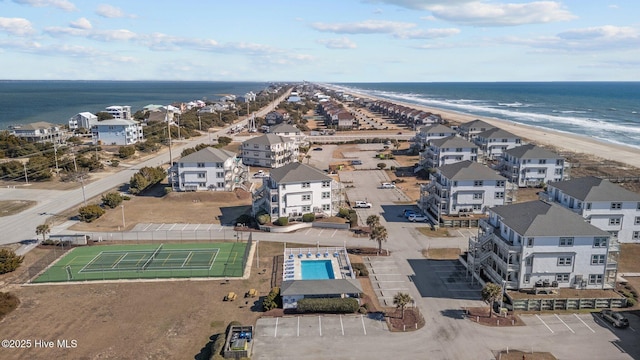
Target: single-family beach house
83, 120
39, 132
119, 112
117, 132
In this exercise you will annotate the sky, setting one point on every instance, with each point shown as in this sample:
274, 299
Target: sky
323, 41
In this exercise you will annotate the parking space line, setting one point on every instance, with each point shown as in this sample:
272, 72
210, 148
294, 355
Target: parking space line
320, 233
307, 232
341, 325
545, 324
565, 324
197, 226
298, 334
363, 327
320, 324
334, 232
632, 329
585, 324
275, 333
185, 226
146, 227
172, 226
159, 227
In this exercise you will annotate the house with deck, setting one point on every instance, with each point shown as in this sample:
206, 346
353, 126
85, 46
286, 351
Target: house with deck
39, 132
83, 120
119, 112
448, 150
117, 132
601, 203
493, 142
531, 165
472, 128
209, 169
427, 133
288, 131
269, 150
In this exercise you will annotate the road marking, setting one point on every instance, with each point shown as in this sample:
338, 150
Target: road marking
275, 334
334, 232
341, 325
146, 227
197, 226
363, 327
632, 329
159, 227
545, 324
585, 324
320, 324
307, 232
565, 324
172, 226
298, 326
320, 233
184, 227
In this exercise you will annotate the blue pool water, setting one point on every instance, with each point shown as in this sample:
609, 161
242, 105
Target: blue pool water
317, 270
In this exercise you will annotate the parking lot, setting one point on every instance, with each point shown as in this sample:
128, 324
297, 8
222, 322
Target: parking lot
444, 279
573, 324
313, 326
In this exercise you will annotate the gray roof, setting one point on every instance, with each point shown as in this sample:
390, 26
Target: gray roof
531, 151
267, 139
453, 142
208, 154
296, 173
468, 170
591, 188
283, 128
497, 133
539, 218
320, 287
475, 124
116, 122
437, 128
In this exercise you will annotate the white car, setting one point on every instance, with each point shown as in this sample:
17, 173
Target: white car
387, 186
362, 204
260, 174
416, 217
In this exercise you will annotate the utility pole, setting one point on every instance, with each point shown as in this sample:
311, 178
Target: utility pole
178, 126
26, 178
55, 152
123, 223
199, 123
166, 118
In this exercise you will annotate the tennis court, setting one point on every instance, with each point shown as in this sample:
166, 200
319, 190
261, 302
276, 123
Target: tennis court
112, 262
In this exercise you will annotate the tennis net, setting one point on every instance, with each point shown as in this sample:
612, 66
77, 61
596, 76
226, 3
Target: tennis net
153, 256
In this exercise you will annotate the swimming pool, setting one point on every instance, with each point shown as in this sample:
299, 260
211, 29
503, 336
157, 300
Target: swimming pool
317, 269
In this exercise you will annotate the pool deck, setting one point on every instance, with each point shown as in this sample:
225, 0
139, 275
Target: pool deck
292, 267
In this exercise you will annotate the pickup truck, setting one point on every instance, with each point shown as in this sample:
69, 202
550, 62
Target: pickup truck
362, 204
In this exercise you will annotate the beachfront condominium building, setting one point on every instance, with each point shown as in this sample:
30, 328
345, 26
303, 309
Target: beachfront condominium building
119, 112
531, 165
540, 244
209, 169
495, 141
117, 132
462, 188
288, 131
448, 150
472, 128
83, 120
39, 132
431, 132
603, 204
270, 151
296, 189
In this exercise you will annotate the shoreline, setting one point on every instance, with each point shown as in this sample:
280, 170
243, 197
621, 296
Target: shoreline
546, 137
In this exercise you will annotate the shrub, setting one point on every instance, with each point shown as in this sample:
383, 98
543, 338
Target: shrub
8, 303
112, 199
631, 302
282, 221
308, 217
126, 152
353, 218
90, 212
9, 261
381, 166
343, 212
272, 300
360, 269
263, 219
329, 305
115, 163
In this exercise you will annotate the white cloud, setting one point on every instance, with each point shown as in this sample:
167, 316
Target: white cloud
16, 26
60, 4
81, 23
57, 30
111, 35
364, 27
427, 34
478, 13
600, 32
597, 39
341, 43
111, 12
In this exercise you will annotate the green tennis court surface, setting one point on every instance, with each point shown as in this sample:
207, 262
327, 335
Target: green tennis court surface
112, 262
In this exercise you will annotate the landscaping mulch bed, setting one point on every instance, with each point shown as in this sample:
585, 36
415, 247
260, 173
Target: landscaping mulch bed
411, 321
481, 316
521, 355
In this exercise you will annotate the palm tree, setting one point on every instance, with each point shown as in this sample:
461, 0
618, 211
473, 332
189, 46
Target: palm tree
307, 157
43, 230
373, 220
490, 293
379, 234
401, 300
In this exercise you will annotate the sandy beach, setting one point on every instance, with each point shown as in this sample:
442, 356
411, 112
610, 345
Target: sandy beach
559, 140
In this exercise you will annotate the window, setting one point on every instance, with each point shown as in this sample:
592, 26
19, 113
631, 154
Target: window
220, 174
220, 185
200, 165
181, 165
638, 206
306, 185
588, 206
542, 171
477, 207
306, 208
306, 197
326, 183
201, 175
500, 183
477, 196
326, 195
564, 278
477, 183
499, 195
326, 207
527, 278
528, 261
614, 234
202, 184
564, 261
600, 242
566, 241
597, 259
637, 222
595, 279
616, 206
542, 161
636, 235
529, 242
458, 149
219, 165
614, 221
455, 183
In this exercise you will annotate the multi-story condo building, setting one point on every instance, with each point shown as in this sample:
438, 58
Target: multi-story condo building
531, 165
603, 204
431, 132
448, 150
495, 141
295, 189
270, 151
117, 132
472, 128
540, 244
209, 169
465, 187
83, 120
288, 131
119, 112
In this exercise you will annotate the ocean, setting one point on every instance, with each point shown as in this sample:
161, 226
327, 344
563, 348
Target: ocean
24, 102
607, 111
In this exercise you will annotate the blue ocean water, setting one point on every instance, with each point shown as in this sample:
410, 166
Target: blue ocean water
55, 102
608, 111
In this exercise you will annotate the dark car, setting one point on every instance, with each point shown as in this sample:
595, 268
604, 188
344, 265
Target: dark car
615, 318
356, 162
317, 149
